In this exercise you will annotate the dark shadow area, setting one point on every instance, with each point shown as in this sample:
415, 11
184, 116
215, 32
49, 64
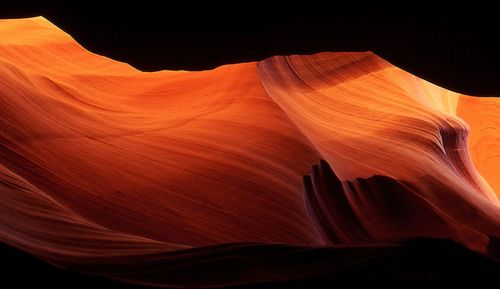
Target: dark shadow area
452, 44
415, 263
21, 270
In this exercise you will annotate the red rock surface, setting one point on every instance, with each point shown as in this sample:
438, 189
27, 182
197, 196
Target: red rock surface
101, 163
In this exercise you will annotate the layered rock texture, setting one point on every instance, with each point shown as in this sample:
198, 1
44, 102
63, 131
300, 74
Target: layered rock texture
135, 176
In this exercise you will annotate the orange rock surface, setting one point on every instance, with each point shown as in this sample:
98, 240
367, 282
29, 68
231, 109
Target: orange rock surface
483, 117
99, 160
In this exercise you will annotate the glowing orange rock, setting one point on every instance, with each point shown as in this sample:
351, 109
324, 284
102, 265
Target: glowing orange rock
483, 117
103, 164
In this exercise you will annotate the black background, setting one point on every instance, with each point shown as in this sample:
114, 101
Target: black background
453, 44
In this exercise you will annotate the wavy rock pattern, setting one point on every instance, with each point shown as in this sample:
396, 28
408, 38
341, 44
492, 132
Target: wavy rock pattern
367, 117
483, 117
114, 171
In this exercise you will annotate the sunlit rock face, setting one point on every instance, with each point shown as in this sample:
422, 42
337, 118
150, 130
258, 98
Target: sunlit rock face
107, 169
367, 117
483, 117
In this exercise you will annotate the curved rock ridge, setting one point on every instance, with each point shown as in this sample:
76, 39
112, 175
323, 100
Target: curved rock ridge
118, 172
482, 115
379, 208
367, 117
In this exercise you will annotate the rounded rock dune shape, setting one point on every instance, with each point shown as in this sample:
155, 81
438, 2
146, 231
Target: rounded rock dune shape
110, 170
